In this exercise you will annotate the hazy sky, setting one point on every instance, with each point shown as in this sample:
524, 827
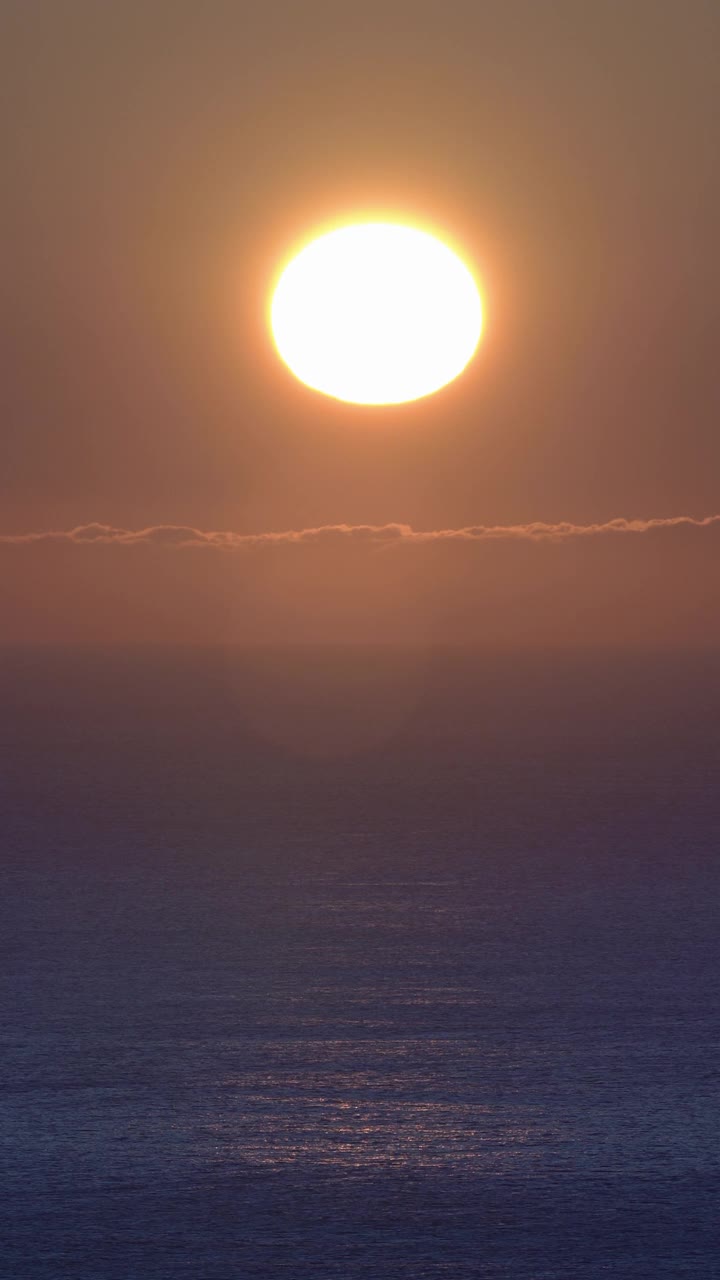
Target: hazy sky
161, 159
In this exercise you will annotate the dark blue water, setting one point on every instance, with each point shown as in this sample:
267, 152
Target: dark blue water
362, 964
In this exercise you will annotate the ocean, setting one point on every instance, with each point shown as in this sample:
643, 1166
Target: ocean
379, 963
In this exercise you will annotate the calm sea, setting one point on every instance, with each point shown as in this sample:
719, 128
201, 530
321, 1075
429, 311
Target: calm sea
374, 963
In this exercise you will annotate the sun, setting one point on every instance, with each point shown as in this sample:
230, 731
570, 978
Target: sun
376, 313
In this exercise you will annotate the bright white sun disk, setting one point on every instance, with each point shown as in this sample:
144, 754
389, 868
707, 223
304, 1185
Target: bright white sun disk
376, 313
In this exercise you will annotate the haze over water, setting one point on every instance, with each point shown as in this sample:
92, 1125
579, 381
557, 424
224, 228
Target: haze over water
359, 963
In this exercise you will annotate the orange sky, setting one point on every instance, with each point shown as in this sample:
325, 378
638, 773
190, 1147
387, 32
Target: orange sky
653, 587
162, 159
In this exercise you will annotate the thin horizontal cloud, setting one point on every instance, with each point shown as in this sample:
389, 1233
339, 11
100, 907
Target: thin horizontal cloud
184, 536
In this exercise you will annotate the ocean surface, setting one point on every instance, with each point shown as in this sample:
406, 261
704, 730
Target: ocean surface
359, 963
